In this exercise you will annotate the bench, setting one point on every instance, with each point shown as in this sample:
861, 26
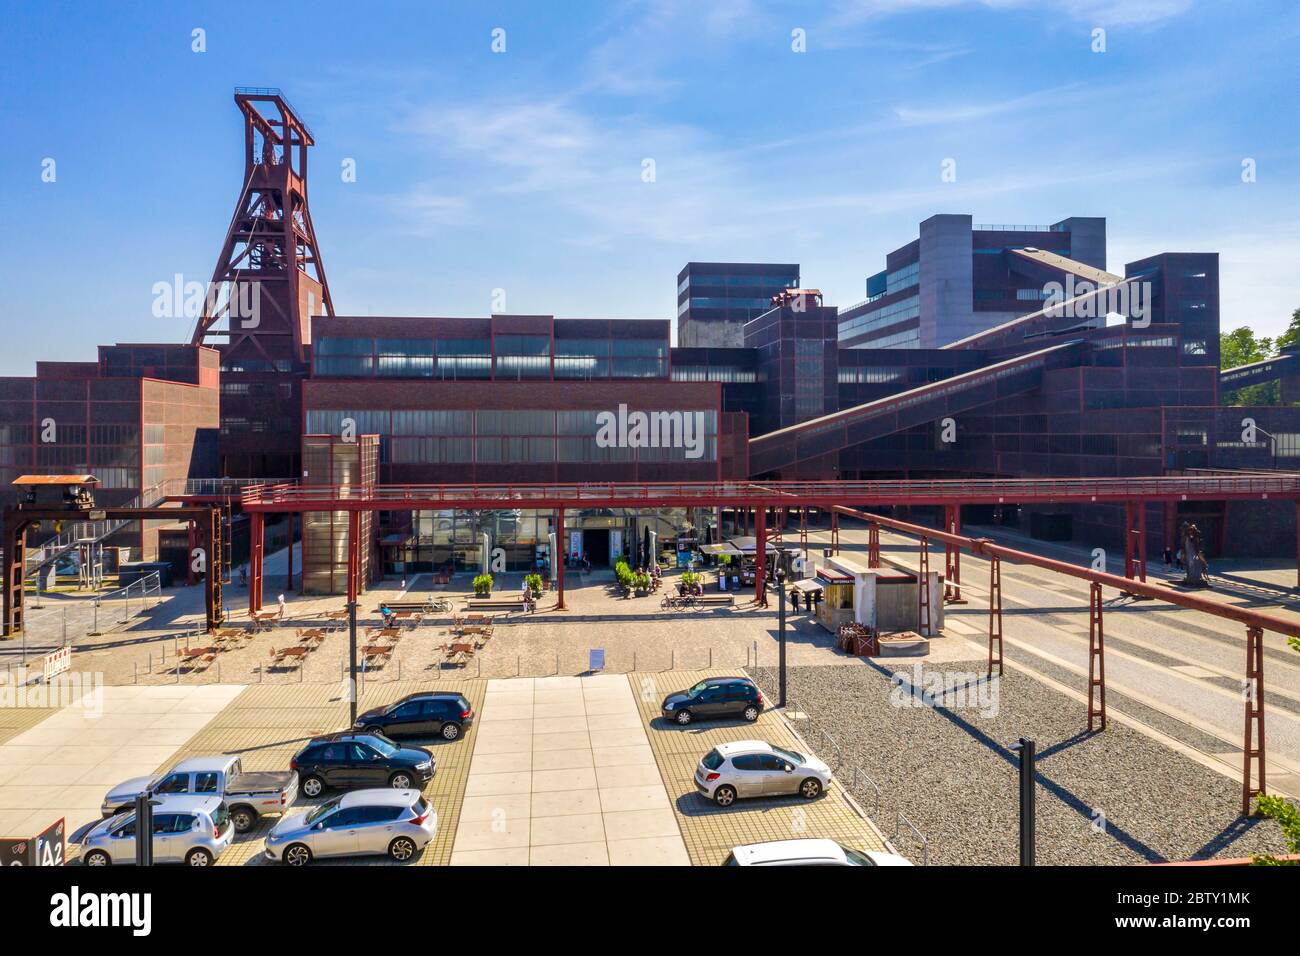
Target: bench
716, 600
488, 604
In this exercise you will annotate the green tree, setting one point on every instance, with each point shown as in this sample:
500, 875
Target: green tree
1241, 347
1292, 334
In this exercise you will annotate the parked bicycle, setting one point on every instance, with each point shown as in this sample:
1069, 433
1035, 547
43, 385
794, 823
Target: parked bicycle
680, 602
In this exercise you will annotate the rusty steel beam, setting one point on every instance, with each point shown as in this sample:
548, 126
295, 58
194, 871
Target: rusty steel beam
1254, 692
995, 614
984, 547
1096, 661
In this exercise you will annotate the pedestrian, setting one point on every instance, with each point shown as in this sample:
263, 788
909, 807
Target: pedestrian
243, 575
1169, 557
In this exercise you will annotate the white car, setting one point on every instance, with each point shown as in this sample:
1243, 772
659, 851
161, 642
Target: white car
754, 768
399, 823
809, 853
190, 829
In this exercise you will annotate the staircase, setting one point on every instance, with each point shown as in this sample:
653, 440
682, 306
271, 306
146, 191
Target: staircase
80, 533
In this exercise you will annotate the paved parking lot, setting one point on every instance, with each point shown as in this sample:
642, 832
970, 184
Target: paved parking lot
709, 831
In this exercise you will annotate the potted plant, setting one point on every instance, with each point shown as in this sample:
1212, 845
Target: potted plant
691, 581
641, 582
624, 576
483, 585
534, 583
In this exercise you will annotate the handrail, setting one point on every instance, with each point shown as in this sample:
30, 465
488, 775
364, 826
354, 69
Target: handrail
1011, 490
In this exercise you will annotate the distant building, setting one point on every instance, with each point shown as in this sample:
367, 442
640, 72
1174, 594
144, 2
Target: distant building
958, 279
716, 299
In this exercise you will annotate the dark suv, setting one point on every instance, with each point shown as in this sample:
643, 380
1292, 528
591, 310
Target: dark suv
353, 761
716, 697
443, 714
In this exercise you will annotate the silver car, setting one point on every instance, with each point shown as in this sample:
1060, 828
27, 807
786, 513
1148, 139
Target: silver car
753, 768
396, 822
189, 829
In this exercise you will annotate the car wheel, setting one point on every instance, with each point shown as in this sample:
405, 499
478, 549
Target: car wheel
313, 786
243, 818
372, 730
295, 854
810, 789
450, 731
402, 849
684, 717
198, 857
96, 858
400, 781
751, 713
724, 796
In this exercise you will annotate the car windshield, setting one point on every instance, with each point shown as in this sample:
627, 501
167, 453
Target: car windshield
329, 806
383, 745
712, 760
856, 858
790, 755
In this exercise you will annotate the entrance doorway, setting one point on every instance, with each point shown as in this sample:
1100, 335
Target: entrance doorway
596, 543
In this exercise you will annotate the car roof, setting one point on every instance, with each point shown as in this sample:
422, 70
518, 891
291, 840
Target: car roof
782, 850
186, 802
342, 735
713, 681
734, 747
199, 764
378, 797
429, 695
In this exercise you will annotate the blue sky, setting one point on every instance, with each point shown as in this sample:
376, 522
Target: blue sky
522, 170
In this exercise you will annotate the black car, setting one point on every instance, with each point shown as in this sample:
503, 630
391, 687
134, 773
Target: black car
714, 698
355, 761
444, 714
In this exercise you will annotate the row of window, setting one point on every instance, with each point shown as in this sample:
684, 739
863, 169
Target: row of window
713, 373
909, 308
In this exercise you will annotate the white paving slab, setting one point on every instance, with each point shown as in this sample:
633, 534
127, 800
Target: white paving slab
563, 775
64, 765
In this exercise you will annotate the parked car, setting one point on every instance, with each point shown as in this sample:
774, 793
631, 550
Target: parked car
248, 795
191, 828
715, 698
349, 761
754, 768
443, 714
810, 853
396, 822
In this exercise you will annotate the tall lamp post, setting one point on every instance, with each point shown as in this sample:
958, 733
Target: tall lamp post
352, 662
780, 603
144, 828
1025, 748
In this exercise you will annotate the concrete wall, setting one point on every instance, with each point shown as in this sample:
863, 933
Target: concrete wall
947, 281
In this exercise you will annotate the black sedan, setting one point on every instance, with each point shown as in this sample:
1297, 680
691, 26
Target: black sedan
714, 699
442, 714
355, 761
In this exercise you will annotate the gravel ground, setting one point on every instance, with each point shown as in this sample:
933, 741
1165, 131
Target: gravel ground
949, 770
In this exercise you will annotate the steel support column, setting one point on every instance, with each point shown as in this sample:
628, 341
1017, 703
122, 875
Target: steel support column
560, 559
873, 545
354, 555
192, 533
1254, 695
288, 585
803, 529
835, 533
952, 556
1096, 662
1297, 543
1140, 544
995, 614
256, 530
760, 556
924, 606
1128, 539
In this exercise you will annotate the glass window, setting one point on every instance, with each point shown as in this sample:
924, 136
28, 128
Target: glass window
174, 783
206, 782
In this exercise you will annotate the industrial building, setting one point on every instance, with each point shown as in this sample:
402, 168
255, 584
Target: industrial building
981, 351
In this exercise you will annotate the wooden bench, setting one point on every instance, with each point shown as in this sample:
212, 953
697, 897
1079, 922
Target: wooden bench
716, 600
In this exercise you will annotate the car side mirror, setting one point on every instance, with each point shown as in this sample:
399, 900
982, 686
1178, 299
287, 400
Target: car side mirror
318, 826
789, 768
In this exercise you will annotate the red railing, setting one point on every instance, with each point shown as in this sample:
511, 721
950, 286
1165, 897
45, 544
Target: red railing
285, 497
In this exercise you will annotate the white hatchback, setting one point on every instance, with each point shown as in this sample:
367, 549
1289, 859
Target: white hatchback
754, 768
809, 853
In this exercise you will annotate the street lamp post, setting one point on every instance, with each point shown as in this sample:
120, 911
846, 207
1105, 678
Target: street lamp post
1026, 750
352, 661
144, 828
780, 603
